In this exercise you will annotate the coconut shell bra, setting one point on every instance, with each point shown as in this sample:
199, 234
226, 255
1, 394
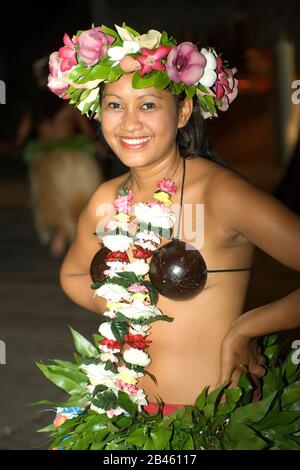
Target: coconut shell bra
177, 270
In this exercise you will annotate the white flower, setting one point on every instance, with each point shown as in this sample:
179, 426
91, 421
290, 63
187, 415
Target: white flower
148, 235
136, 356
97, 410
118, 52
137, 310
139, 399
108, 356
113, 224
140, 267
150, 40
109, 314
115, 267
105, 330
139, 329
115, 412
117, 242
209, 75
155, 215
113, 292
92, 96
98, 375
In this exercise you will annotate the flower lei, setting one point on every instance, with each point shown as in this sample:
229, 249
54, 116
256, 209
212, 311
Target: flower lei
130, 304
101, 54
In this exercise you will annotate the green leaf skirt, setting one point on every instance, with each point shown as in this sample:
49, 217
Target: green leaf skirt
235, 423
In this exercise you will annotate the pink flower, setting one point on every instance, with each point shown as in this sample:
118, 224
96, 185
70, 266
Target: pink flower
123, 203
137, 288
68, 53
93, 45
58, 81
151, 59
185, 63
225, 85
167, 185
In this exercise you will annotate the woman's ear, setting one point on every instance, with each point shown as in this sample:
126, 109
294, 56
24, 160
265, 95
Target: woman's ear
185, 112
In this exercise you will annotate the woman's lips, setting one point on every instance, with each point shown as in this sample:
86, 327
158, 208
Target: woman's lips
134, 143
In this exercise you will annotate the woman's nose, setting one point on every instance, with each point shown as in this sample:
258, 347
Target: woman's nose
131, 121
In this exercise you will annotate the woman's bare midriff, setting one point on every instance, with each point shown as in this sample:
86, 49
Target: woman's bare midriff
185, 354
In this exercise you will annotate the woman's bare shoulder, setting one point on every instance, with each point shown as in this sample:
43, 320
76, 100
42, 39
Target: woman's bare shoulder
106, 193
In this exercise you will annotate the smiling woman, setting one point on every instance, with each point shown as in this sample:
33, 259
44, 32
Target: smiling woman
153, 95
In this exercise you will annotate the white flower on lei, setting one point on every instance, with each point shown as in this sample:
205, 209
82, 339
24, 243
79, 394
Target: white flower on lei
98, 375
155, 215
105, 330
140, 267
137, 310
209, 75
139, 329
108, 356
117, 242
136, 356
114, 268
113, 292
139, 399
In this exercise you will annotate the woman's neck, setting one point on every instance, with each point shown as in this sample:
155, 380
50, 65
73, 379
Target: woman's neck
144, 179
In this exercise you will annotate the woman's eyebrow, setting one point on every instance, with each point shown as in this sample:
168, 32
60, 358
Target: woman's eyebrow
142, 96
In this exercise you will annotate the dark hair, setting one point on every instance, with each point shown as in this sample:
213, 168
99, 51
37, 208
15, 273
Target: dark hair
192, 139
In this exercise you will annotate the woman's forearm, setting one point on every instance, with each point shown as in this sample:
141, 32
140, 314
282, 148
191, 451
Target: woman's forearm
77, 287
283, 314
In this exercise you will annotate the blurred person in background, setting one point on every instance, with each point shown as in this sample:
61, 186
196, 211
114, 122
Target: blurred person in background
59, 145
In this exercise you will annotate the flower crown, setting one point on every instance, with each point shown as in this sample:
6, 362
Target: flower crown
101, 54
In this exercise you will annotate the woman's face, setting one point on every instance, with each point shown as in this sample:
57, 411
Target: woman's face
140, 125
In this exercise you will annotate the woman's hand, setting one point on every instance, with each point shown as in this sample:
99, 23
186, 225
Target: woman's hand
240, 353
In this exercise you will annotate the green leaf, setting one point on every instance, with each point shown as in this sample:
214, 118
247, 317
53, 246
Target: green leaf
290, 395
190, 91
111, 32
83, 346
125, 402
201, 399
243, 438
105, 400
253, 412
160, 437
61, 380
146, 81
162, 80
189, 444
137, 437
232, 397
119, 330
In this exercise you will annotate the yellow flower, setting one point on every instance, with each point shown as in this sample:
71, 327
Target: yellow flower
127, 377
113, 305
139, 296
162, 196
122, 217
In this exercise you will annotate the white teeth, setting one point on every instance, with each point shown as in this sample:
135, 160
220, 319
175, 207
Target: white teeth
135, 141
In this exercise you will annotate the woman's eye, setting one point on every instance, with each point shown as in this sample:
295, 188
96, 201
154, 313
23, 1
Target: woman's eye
149, 105
114, 105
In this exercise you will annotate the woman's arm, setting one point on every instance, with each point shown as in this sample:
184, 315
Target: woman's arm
74, 273
271, 226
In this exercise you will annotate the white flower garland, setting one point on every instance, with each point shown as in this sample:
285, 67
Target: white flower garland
130, 309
